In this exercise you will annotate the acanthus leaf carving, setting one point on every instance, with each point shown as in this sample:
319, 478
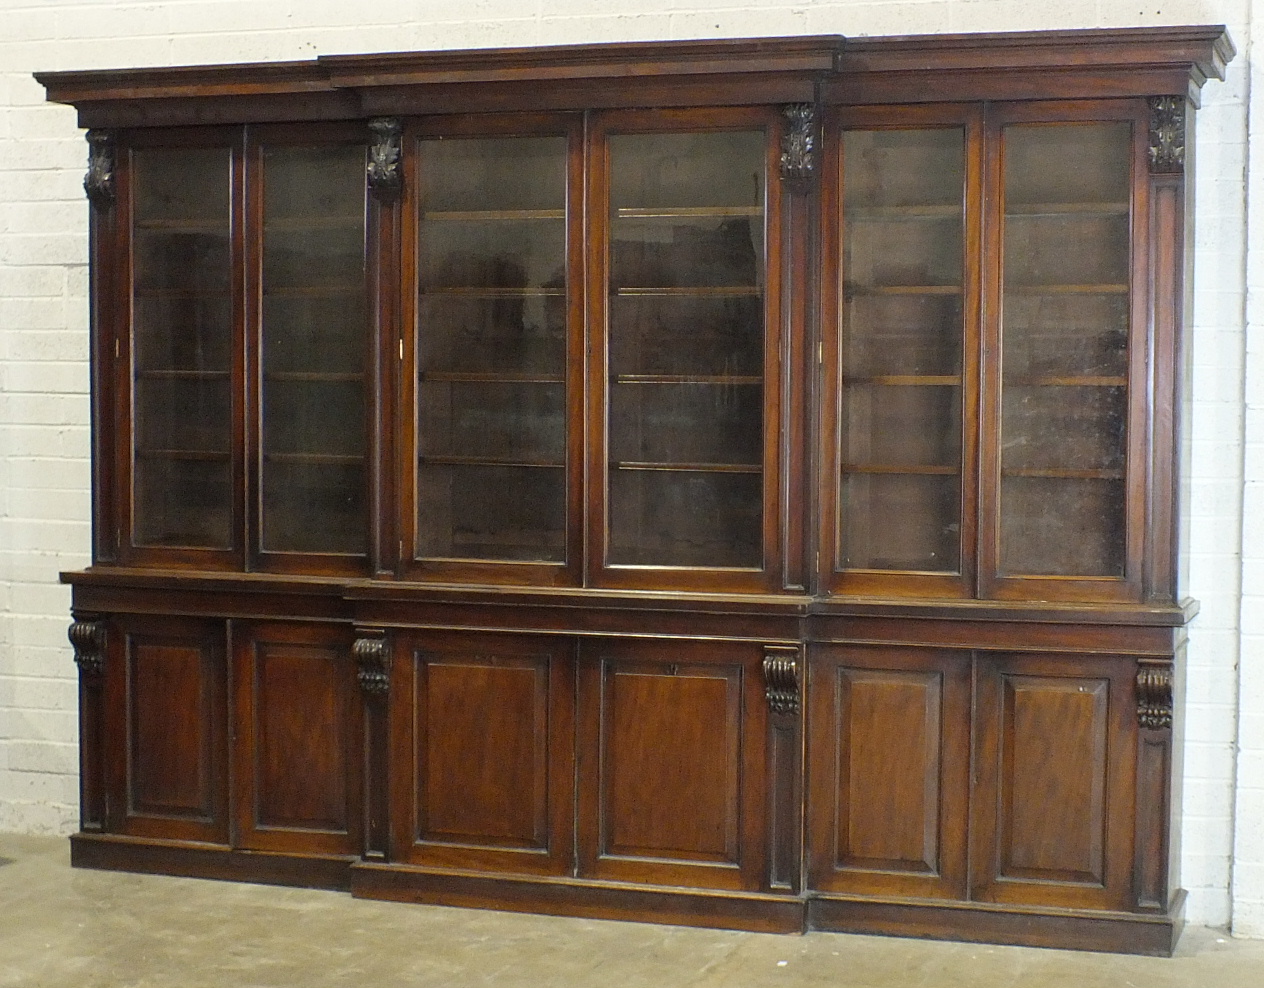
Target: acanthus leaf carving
373, 660
98, 183
1167, 134
781, 679
798, 146
385, 168
87, 638
1154, 697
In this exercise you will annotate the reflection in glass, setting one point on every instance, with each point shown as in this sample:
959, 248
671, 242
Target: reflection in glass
1065, 349
181, 351
491, 349
686, 349
901, 435
315, 341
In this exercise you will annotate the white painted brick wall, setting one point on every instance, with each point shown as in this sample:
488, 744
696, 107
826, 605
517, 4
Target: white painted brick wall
43, 340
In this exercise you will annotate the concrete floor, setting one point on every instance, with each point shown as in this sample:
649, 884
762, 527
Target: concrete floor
86, 929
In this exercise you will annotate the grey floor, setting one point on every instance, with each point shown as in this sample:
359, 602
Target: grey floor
62, 927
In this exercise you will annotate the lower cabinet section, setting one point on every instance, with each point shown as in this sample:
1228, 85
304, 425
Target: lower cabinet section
968, 793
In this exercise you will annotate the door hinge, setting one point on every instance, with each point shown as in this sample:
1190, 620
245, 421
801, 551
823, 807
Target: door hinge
117, 348
401, 348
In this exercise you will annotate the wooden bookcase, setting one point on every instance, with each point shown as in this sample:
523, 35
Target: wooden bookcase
726, 483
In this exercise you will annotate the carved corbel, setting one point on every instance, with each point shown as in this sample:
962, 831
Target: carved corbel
99, 181
1154, 697
87, 637
1167, 134
374, 661
385, 169
798, 146
781, 679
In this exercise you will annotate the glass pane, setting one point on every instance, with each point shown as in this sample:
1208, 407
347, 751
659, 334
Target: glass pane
685, 518
902, 330
315, 340
491, 349
686, 349
1065, 349
182, 348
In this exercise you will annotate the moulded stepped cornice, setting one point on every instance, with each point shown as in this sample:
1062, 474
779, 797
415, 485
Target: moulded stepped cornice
931, 68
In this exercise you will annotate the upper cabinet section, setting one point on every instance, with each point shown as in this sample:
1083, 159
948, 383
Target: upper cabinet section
885, 318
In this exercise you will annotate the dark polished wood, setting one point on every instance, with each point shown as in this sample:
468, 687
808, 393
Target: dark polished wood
723, 482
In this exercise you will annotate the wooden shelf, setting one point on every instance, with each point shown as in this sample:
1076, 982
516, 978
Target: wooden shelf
487, 377
486, 461
694, 292
178, 293
466, 291
184, 226
311, 291
315, 459
201, 455
1088, 289
313, 377
1054, 473
743, 379
852, 291
1068, 381
480, 215
907, 380
930, 211
685, 212
687, 467
1060, 209
174, 374
298, 224
915, 470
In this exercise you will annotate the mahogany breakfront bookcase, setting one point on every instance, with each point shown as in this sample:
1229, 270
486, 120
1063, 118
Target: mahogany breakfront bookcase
727, 482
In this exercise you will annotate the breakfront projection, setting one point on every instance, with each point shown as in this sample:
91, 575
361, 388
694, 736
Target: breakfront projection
726, 483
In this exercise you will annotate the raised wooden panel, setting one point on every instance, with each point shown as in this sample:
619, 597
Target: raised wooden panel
672, 766
1056, 754
888, 762
490, 780
298, 714
166, 709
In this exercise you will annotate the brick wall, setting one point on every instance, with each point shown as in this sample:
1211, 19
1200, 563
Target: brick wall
43, 342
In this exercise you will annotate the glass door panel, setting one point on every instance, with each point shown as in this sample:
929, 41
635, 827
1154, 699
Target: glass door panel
313, 431
1064, 334
491, 349
901, 435
686, 349
182, 333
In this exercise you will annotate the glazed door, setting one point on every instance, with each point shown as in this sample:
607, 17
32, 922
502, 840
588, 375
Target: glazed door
176, 351
672, 770
888, 770
1055, 778
482, 728
166, 729
297, 738
310, 355
685, 293
1065, 404
493, 215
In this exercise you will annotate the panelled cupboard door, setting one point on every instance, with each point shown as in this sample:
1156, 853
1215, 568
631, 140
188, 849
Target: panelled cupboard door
297, 736
671, 775
166, 721
888, 771
482, 748
1055, 767
685, 302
